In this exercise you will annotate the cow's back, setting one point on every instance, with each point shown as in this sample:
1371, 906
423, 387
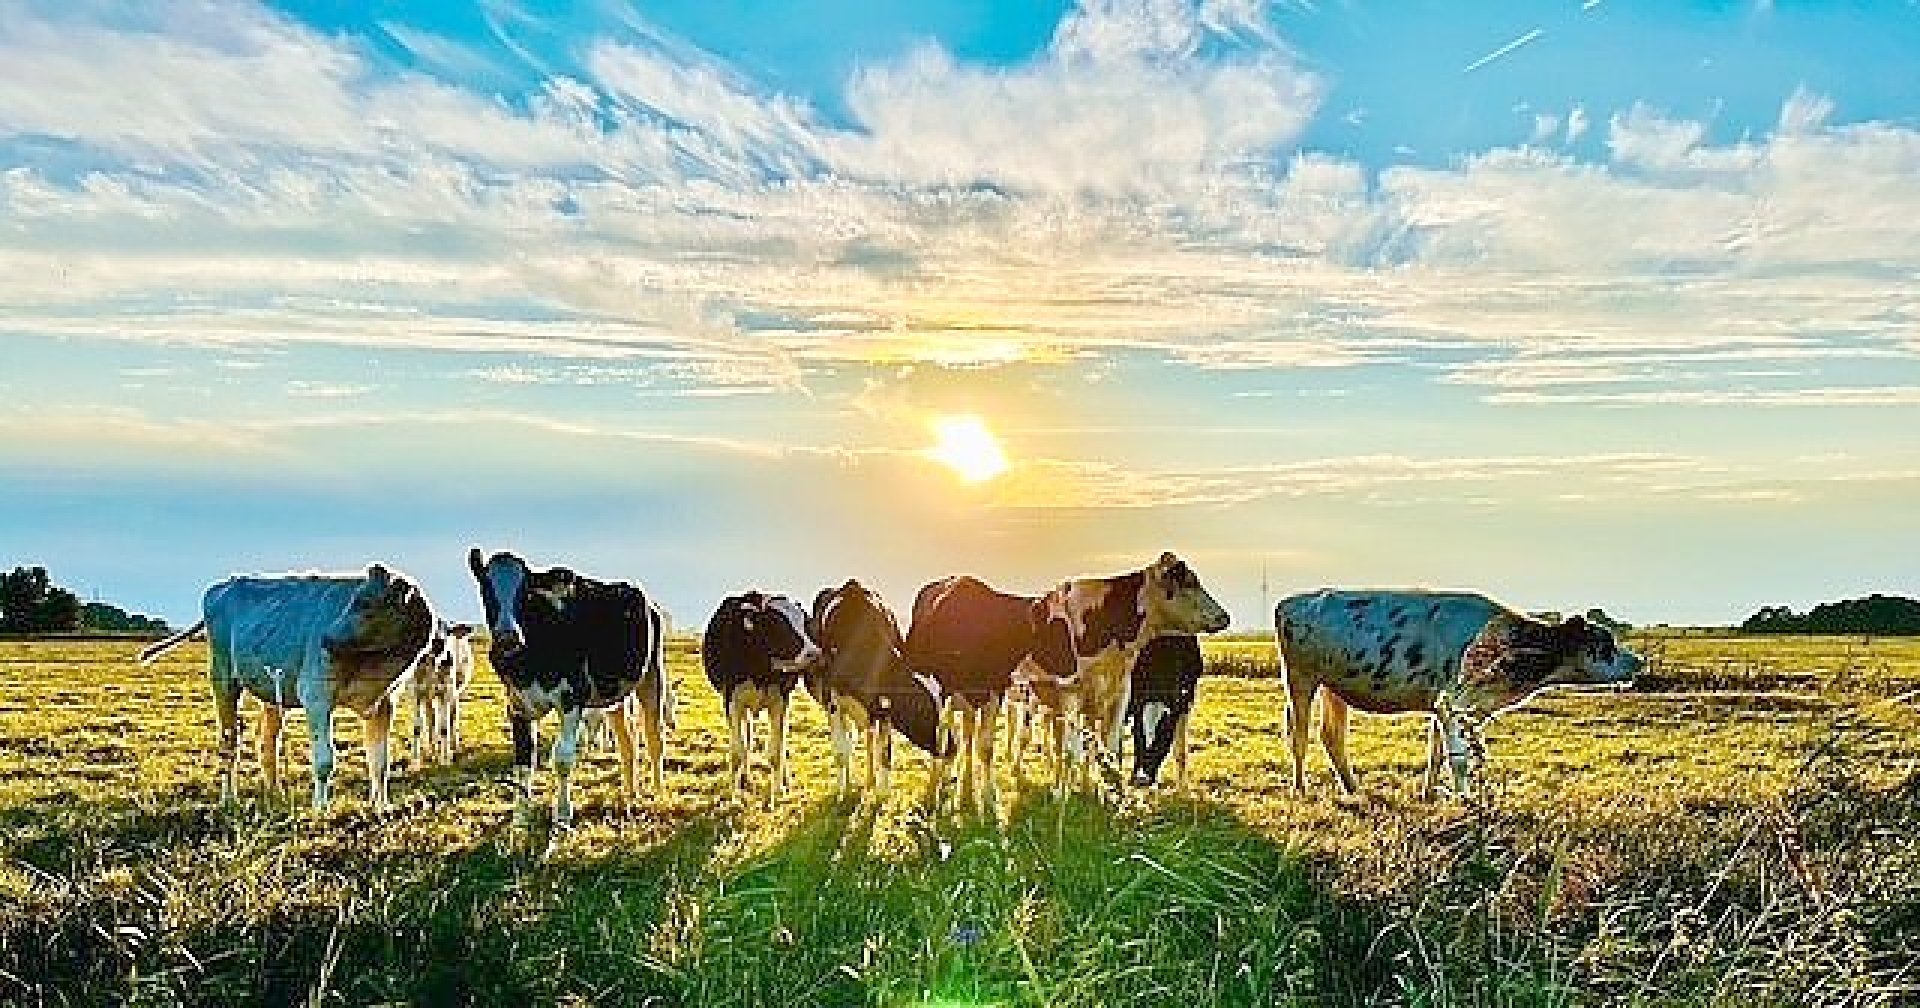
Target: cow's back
969, 636
1381, 650
274, 620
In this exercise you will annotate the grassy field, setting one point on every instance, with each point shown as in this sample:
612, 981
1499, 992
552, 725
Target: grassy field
1737, 831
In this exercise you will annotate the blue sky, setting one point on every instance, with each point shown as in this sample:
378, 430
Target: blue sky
1584, 303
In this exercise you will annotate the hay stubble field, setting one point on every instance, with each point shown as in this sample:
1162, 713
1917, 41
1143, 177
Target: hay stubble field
1735, 830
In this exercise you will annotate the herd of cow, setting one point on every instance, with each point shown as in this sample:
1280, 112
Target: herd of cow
1079, 663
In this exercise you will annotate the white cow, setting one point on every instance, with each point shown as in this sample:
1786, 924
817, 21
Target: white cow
314, 641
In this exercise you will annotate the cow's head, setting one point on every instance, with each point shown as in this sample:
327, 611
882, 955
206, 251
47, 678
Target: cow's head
510, 590
387, 614
1589, 656
775, 625
1176, 602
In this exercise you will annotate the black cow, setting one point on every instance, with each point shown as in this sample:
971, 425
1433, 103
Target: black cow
567, 643
865, 684
1166, 678
754, 651
969, 637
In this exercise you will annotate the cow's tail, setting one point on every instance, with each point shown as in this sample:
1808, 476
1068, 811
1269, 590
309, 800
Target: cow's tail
159, 648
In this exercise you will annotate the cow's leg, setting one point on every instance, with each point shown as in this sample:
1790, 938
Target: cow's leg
652, 732
566, 752
840, 736
737, 729
524, 738
272, 719
1451, 731
421, 748
776, 747
453, 726
226, 715
623, 751
379, 729
1434, 750
320, 737
1299, 718
1333, 737
1180, 749
1019, 728
983, 749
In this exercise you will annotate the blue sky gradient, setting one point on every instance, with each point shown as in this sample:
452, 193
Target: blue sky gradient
1584, 303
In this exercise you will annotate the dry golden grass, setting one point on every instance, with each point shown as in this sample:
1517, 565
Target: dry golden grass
1697, 844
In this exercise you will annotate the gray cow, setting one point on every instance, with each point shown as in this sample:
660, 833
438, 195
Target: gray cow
319, 642
1459, 658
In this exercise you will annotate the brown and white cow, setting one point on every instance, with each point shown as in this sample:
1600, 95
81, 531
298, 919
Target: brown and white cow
439, 681
1455, 657
315, 641
1090, 631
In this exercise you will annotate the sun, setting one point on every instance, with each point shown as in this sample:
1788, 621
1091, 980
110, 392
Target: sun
967, 447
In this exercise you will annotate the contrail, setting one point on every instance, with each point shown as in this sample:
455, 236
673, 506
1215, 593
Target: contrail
1503, 50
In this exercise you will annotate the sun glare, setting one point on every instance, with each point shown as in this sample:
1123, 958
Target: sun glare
967, 447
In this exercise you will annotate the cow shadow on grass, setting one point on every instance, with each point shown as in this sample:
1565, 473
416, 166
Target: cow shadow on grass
1070, 900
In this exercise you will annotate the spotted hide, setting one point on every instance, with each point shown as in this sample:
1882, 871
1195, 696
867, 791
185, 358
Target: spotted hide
317, 642
1088, 634
1166, 680
754, 650
1456, 658
865, 685
566, 643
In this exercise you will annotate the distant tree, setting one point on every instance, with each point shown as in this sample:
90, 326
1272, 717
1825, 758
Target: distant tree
99, 617
30, 603
1883, 615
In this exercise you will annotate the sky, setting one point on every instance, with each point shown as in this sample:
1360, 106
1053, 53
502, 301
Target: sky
1585, 303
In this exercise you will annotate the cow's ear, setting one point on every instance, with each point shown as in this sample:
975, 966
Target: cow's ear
476, 561
1168, 559
379, 575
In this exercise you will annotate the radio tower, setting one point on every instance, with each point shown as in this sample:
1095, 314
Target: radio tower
1266, 607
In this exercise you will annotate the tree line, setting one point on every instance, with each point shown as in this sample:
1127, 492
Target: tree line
30, 603
1881, 615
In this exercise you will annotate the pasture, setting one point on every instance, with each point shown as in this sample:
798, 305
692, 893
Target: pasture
1737, 830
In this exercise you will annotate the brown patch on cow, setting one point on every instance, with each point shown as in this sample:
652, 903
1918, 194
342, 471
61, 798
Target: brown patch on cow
1118, 617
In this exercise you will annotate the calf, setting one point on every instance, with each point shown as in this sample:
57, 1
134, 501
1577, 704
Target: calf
567, 643
1166, 678
969, 638
754, 651
1089, 634
438, 683
318, 642
1456, 658
866, 685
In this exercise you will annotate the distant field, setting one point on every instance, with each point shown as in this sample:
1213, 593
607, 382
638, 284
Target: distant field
1739, 831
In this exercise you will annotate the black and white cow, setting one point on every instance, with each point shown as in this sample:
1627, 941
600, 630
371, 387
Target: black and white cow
1166, 679
866, 685
969, 638
314, 641
438, 683
1455, 657
1090, 632
754, 650
567, 643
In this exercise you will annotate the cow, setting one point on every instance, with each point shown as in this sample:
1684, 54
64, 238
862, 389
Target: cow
1166, 679
864, 682
754, 651
1457, 658
438, 684
566, 643
1089, 633
969, 638
315, 641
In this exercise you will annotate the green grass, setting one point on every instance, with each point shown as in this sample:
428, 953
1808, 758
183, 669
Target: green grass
1698, 844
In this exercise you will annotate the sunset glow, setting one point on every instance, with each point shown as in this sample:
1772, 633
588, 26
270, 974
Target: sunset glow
965, 444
